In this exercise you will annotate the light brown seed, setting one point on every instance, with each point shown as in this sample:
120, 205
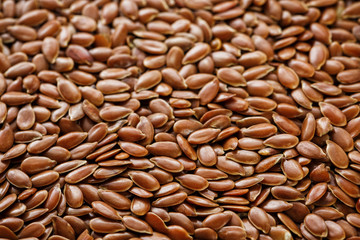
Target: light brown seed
7, 201
301, 68
292, 169
348, 187
32, 230
172, 77
18, 178
17, 98
286, 193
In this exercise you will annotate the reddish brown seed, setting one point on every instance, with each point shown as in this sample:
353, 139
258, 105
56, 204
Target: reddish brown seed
216, 221
103, 225
164, 148
6, 138
316, 225
171, 200
203, 136
259, 219
231, 76
286, 193
196, 53
168, 164
336, 154
310, 150
7, 201
335, 116
315, 193
79, 54
7, 233
148, 80
33, 165
80, 174
68, 90
105, 210
287, 77
193, 182
114, 199
144, 180
133, 149
282, 141
137, 225
18, 178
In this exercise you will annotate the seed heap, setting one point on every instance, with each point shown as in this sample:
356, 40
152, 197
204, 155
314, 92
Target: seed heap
179, 119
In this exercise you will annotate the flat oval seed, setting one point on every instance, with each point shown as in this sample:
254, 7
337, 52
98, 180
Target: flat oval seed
68, 91
144, 180
315, 193
114, 199
103, 225
18, 178
335, 116
137, 225
316, 225
81, 173
168, 164
259, 219
193, 182
216, 221
203, 136
105, 210
336, 155
282, 141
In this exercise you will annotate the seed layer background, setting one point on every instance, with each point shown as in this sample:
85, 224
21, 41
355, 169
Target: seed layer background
179, 119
